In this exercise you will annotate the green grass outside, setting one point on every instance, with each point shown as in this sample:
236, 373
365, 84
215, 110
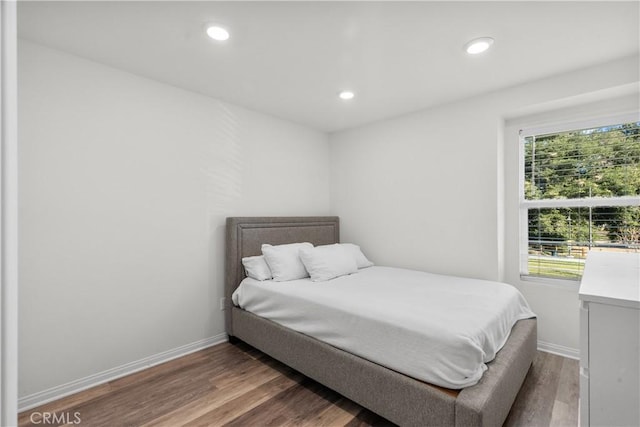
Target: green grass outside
560, 268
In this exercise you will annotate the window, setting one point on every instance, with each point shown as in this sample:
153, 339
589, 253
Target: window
579, 191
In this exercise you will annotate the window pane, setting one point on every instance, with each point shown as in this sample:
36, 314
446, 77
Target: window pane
597, 162
559, 239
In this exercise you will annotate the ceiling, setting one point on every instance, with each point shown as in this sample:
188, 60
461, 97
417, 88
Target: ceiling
290, 59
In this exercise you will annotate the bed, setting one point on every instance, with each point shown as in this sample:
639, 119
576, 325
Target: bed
395, 396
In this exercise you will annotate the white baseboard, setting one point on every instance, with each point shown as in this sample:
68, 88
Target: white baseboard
58, 392
560, 350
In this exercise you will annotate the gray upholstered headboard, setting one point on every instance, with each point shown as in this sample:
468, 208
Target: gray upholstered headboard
245, 236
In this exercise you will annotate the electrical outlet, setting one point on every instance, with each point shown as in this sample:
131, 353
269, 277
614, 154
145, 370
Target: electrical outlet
222, 303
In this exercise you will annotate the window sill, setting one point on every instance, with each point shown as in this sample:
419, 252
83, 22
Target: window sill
567, 284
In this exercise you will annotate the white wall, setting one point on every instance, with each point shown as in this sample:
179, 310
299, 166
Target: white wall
8, 216
427, 190
407, 189
124, 186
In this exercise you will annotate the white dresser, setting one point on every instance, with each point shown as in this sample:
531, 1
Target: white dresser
610, 340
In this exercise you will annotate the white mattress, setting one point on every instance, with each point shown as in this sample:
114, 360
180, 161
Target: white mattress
438, 329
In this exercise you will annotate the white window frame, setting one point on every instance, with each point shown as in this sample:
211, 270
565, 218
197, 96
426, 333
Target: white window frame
525, 205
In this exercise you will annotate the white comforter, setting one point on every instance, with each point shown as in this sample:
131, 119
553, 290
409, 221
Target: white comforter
439, 329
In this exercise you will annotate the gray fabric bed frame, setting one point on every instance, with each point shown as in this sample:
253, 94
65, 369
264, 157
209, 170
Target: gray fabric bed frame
399, 398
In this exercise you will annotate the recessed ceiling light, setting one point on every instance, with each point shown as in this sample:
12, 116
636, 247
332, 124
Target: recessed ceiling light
217, 33
478, 45
346, 95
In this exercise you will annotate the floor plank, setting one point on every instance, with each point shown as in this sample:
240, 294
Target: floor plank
237, 385
565, 410
230, 410
537, 400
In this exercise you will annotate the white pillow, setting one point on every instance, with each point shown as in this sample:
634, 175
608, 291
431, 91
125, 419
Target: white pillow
355, 250
328, 262
284, 261
257, 268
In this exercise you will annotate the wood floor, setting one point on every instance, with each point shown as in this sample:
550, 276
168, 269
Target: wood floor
236, 385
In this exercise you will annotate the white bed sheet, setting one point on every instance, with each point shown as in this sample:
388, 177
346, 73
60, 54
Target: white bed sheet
435, 328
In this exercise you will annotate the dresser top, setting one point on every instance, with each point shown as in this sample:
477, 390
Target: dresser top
612, 278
